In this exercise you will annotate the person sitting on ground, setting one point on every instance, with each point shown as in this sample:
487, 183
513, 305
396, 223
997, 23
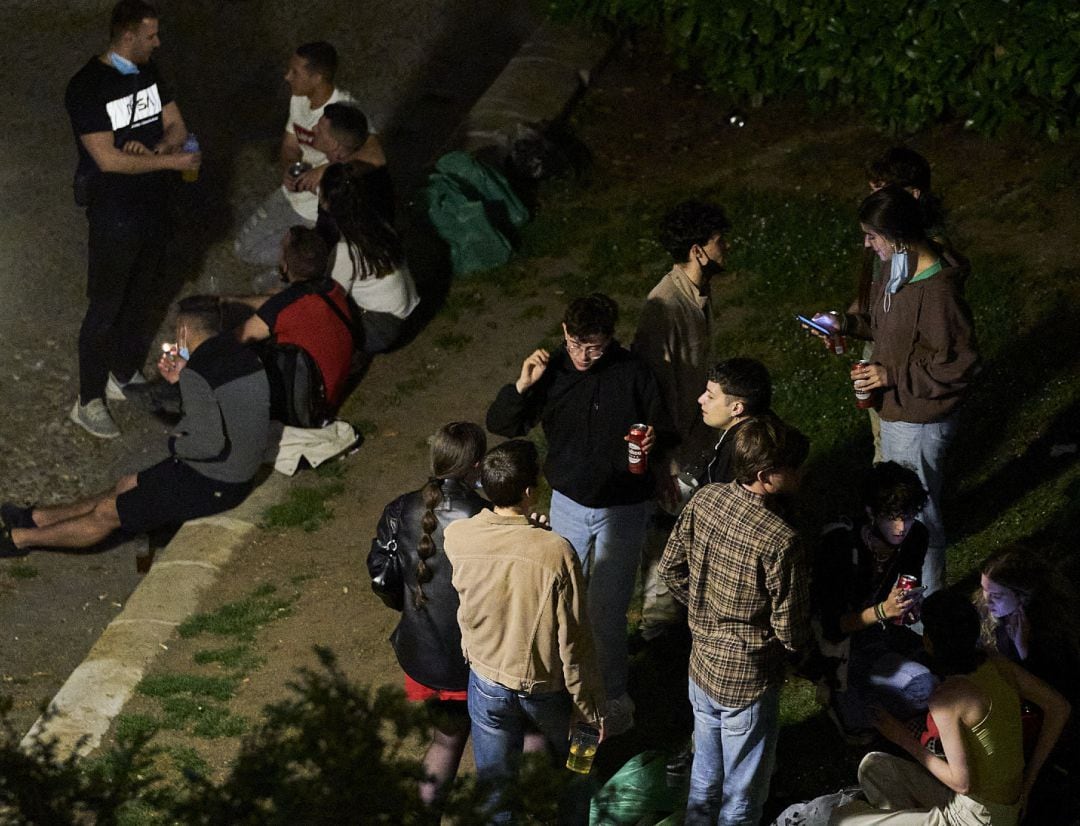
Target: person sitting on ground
975, 715
862, 613
1029, 609
310, 76
427, 640
369, 260
344, 136
214, 452
1030, 612
312, 313
524, 626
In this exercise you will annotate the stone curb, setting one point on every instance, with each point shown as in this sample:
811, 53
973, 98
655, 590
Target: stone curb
539, 84
84, 707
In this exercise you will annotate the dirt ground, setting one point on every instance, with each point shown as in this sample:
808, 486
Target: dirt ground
658, 132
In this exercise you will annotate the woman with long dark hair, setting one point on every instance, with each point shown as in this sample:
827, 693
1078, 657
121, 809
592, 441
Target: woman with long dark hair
980, 775
1030, 613
427, 639
369, 259
925, 354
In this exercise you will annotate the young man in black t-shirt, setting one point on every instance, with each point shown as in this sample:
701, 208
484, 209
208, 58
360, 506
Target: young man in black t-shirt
129, 133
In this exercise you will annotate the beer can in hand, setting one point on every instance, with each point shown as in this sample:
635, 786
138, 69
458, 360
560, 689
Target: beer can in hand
638, 458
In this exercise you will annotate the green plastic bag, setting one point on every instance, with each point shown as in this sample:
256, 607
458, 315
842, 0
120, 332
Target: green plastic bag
636, 791
473, 209
484, 183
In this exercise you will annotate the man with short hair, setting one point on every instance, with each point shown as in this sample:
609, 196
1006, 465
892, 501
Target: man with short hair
344, 136
214, 452
524, 626
736, 390
742, 573
310, 76
129, 132
586, 395
674, 337
312, 312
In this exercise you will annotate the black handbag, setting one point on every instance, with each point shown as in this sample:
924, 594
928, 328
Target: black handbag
384, 562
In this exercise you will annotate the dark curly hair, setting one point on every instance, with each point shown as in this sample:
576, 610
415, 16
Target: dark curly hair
690, 223
591, 315
891, 490
744, 378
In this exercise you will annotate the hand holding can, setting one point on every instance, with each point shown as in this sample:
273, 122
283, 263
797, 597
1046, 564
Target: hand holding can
637, 454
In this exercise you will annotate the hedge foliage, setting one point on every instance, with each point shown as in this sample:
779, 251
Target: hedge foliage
989, 62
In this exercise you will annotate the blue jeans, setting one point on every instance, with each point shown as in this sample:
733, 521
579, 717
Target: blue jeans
500, 717
922, 447
259, 240
608, 542
734, 753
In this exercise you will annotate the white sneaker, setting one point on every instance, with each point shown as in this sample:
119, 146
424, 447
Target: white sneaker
94, 417
618, 716
114, 388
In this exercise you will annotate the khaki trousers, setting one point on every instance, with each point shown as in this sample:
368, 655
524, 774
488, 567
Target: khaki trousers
900, 792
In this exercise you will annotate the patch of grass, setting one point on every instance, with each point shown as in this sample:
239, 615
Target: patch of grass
188, 761
240, 619
305, 506
365, 427
201, 718
533, 311
20, 570
131, 726
405, 388
171, 685
331, 470
453, 342
238, 657
465, 300
300, 579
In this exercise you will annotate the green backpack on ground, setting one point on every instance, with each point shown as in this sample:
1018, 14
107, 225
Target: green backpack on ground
473, 209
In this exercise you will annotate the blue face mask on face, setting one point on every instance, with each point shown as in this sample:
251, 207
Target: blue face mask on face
184, 353
122, 64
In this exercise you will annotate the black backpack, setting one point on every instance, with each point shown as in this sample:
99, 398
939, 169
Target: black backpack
297, 393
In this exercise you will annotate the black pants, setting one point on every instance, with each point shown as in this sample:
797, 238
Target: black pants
123, 286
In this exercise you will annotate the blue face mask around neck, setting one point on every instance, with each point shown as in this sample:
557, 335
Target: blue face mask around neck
899, 272
122, 64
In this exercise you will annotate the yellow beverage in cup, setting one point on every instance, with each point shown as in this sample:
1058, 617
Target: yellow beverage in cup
581, 757
190, 176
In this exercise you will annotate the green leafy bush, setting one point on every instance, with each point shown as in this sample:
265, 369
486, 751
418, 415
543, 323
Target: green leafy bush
990, 62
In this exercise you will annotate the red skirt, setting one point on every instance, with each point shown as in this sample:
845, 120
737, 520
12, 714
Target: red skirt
419, 693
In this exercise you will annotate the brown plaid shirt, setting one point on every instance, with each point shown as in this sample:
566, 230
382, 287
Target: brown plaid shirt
742, 573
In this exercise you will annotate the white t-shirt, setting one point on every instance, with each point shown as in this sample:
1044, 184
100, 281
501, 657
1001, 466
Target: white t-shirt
394, 293
302, 120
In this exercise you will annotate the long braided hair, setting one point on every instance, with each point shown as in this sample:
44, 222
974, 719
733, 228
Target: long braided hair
347, 195
456, 449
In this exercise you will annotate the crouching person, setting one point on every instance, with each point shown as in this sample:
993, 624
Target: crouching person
213, 454
524, 629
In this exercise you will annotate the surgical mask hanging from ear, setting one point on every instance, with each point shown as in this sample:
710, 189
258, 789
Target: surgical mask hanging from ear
122, 64
899, 272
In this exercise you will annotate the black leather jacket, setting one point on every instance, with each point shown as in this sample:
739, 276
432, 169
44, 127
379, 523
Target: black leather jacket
427, 640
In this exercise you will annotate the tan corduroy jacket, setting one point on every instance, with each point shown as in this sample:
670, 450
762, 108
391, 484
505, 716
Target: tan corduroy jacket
522, 612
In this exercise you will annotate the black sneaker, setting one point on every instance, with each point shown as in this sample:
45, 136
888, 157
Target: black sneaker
8, 548
15, 517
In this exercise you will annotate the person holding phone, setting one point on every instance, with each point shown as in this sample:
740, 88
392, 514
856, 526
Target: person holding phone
925, 352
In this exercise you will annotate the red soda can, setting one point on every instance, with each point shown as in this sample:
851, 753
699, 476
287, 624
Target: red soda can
907, 582
864, 399
638, 459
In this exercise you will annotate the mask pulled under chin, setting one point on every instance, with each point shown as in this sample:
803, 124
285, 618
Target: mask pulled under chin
899, 272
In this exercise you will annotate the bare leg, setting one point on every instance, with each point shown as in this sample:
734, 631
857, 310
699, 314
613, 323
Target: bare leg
91, 521
449, 734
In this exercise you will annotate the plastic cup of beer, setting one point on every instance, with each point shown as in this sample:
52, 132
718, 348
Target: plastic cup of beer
583, 742
190, 176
